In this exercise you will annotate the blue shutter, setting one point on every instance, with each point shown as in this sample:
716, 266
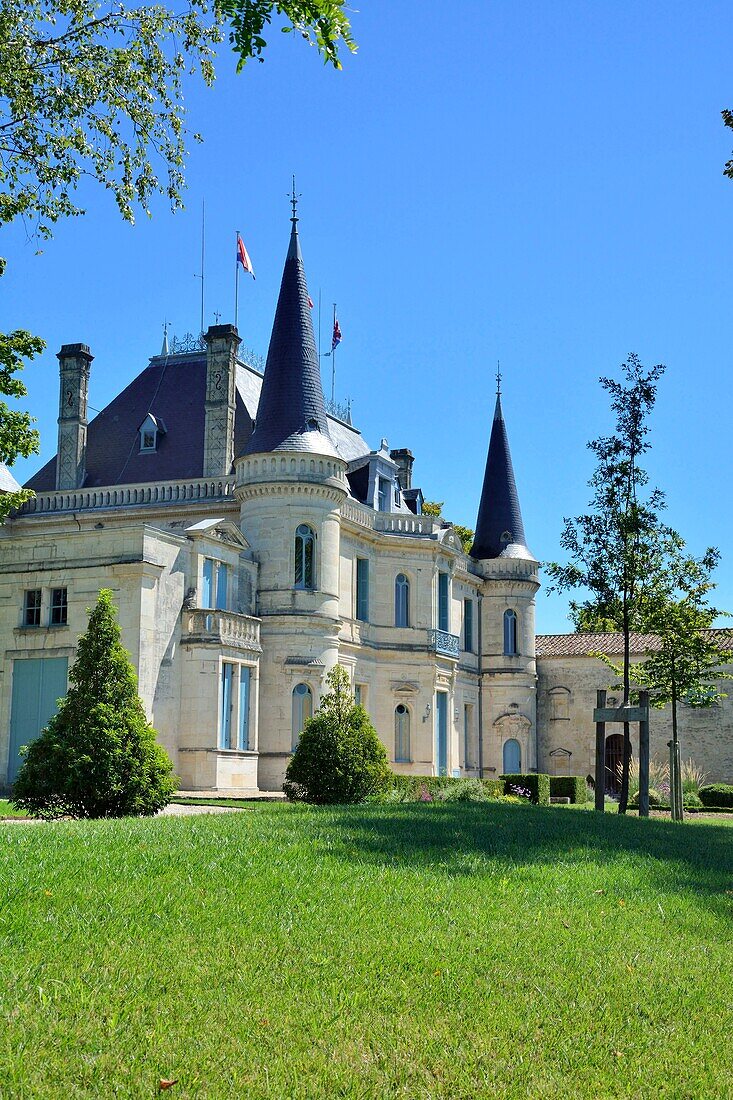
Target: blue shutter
362, 589
225, 723
222, 578
207, 585
443, 602
244, 675
441, 701
468, 625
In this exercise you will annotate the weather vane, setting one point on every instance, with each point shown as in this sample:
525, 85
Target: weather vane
498, 379
294, 202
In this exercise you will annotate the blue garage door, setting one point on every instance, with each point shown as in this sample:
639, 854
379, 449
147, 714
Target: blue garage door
38, 683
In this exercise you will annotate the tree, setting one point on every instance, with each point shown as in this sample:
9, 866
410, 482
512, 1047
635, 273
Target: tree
465, 534
728, 120
17, 436
619, 548
339, 757
98, 756
687, 658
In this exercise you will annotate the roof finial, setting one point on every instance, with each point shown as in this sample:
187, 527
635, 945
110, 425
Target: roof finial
294, 203
498, 379
164, 350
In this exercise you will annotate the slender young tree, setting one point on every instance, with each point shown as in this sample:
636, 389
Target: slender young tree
616, 548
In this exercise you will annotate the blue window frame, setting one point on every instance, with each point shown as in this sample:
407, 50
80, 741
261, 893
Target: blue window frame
443, 616
302, 710
362, 589
305, 541
227, 705
468, 625
441, 731
401, 600
467, 723
384, 494
222, 585
510, 633
207, 583
243, 730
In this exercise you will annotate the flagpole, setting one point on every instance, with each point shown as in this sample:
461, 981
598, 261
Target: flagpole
333, 361
319, 328
203, 241
236, 281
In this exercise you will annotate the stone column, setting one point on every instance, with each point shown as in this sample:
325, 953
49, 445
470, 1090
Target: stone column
74, 363
222, 342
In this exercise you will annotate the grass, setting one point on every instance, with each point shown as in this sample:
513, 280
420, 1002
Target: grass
417, 951
8, 810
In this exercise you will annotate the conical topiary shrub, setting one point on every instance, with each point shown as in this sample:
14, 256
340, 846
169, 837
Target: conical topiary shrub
339, 757
98, 756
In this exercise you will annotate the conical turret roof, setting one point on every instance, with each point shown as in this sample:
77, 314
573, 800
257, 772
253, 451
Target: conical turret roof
499, 527
291, 415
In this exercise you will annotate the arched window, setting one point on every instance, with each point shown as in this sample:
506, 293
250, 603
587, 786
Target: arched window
401, 600
305, 542
510, 633
512, 757
402, 734
302, 710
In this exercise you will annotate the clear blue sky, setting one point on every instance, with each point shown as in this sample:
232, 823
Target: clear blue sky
536, 183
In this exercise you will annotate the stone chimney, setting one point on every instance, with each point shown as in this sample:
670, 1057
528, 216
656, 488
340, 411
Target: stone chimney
404, 460
74, 363
222, 342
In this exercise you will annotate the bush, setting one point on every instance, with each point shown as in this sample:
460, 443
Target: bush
716, 794
413, 788
569, 786
655, 798
537, 784
98, 756
339, 757
693, 778
691, 801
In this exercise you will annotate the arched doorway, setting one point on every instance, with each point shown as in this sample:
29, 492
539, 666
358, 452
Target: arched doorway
512, 757
614, 761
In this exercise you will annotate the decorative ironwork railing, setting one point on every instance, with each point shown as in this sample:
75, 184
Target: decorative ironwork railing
167, 492
222, 628
182, 345
341, 410
448, 645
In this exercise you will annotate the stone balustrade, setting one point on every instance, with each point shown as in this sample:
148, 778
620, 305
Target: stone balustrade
126, 496
221, 628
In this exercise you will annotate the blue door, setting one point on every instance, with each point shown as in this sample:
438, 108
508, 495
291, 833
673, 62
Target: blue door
512, 757
227, 702
243, 739
441, 722
38, 683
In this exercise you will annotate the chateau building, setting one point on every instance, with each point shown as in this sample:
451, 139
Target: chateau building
253, 539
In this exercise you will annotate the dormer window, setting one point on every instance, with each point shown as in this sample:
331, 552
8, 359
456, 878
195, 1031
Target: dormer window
150, 429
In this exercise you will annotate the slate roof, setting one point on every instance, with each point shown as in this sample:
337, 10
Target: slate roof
584, 645
499, 527
291, 414
172, 389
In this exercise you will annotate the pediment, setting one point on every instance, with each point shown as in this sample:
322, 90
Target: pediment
222, 529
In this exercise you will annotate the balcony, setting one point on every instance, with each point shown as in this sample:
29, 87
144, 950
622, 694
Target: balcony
445, 644
221, 628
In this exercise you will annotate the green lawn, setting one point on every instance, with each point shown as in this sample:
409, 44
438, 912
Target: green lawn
8, 810
416, 951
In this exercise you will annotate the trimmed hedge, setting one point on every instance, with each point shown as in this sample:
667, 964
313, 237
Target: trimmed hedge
414, 784
569, 786
537, 784
716, 794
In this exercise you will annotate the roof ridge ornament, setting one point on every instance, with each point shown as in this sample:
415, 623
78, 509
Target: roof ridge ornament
294, 196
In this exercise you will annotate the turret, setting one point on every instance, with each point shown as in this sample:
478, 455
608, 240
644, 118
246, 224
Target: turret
509, 571
74, 363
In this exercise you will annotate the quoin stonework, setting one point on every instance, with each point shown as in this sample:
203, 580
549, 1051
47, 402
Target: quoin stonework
253, 539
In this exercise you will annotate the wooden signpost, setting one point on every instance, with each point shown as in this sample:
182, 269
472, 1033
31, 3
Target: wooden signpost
603, 714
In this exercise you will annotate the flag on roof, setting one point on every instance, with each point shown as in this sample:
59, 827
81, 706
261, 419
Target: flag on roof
243, 257
336, 340
310, 302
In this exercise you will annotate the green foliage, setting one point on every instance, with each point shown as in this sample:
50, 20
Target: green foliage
322, 23
465, 534
17, 436
339, 758
415, 788
536, 783
569, 786
693, 778
432, 507
691, 800
98, 756
656, 798
728, 120
716, 794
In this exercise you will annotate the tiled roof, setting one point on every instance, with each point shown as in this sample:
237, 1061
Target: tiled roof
584, 645
172, 389
291, 414
499, 527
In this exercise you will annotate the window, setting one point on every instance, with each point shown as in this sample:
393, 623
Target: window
222, 584
302, 710
227, 705
402, 734
243, 723
150, 429
397, 493
59, 607
360, 695
443, 618
362, 590
32, 607
401, 600
510, 633
304, 555
215, 584
468, 625
512, 757
147, 440
467, 726
207, 583
384, 494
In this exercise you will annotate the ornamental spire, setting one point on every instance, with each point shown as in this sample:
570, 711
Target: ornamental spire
499, 527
